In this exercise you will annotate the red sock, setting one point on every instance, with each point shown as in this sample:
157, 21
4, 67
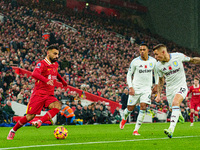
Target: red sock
50, 114
20, 123
191, 117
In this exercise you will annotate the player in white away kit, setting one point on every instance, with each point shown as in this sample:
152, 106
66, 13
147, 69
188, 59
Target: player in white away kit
170, 65
142, 69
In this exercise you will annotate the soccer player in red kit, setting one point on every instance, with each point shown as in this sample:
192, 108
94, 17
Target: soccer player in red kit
46, 74
195, 100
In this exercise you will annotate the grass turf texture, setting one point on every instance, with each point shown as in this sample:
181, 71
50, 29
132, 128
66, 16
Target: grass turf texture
104, 137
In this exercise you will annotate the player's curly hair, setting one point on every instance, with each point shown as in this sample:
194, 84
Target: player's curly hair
52, 47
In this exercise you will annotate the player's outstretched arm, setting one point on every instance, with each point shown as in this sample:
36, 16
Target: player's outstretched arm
61, 80
195, 60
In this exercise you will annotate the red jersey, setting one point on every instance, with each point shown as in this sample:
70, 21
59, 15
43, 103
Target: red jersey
43, 72
195, 94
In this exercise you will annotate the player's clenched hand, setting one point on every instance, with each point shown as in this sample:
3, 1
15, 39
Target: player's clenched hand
131, 91
158, 98
50, 82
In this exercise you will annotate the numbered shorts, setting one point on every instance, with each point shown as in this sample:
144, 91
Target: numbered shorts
171, 94
139, 98
36, 103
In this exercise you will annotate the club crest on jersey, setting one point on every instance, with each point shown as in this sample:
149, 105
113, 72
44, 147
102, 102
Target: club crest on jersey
38, 65
175, 63
151, 65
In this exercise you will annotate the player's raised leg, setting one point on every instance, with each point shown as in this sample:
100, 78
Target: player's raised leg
130, 106
125, 115
19, 124
54, 107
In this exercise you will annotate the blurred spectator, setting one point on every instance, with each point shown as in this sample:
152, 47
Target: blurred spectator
79, 103
68, 114
73, 104
85, 114
1, 115
78, 112
117, 115
8, 112
21, 95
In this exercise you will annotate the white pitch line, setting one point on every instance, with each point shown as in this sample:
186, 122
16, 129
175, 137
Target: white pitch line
100, 142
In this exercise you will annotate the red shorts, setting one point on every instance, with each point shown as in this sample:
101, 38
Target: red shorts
194, 105
36, 103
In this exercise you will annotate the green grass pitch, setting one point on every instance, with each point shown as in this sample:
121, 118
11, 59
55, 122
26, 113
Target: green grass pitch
107, 136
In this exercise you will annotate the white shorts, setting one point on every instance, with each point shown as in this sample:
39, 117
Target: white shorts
183, 90
139, 98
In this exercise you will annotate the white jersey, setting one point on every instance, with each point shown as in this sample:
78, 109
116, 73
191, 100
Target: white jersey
173, 71
142, 72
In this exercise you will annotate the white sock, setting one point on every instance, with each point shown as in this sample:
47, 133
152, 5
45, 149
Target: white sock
140, 119
125, 114
174, 117
12, 130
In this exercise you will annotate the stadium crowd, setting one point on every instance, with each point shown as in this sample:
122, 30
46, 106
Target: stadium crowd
92, 58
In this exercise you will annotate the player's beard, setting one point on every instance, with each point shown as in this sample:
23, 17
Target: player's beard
53, 59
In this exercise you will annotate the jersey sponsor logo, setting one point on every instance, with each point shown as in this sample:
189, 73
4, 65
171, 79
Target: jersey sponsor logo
172, 72
144, 71
151, 65
170, 68
196, 93
175, 63
48, 69
53, 77
38, 65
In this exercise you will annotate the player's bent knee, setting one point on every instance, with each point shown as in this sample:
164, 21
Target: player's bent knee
55, 105
143, 106
130, 108
30, 117
58, 107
